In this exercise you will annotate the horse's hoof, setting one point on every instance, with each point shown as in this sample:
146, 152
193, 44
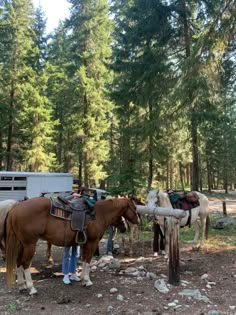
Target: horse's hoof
87, 284
32, 291
22, 290
22, 287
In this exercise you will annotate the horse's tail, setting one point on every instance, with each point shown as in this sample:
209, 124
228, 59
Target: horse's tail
11, 253
207, 227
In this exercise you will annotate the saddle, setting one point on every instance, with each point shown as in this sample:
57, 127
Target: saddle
184, 200
78, 211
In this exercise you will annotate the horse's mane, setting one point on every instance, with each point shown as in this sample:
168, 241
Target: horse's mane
164, 199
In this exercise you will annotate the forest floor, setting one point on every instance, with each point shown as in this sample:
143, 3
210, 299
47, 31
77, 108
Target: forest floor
208, 281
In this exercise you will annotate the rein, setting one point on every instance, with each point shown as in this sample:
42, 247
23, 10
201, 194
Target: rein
135, 207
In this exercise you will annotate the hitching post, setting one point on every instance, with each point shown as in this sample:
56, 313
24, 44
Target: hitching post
224, 208
174, 267
174, 214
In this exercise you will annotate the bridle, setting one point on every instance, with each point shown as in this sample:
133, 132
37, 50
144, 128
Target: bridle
133, 208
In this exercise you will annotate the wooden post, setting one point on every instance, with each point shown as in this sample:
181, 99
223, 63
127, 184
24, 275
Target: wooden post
224, 208
173, 216
174, 266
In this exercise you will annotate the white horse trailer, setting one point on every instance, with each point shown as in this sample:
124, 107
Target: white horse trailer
17, 185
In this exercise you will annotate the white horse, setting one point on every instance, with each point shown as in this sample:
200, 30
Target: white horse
156, 198
5, 206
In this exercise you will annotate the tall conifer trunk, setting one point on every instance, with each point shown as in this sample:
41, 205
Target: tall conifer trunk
150, 152
10, 130
193, 121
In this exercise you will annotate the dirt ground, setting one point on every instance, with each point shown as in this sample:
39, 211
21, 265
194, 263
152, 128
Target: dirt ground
212, 271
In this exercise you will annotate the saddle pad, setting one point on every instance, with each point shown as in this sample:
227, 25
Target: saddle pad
60, 213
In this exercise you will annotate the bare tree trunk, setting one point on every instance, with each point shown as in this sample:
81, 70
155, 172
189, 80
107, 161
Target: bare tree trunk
188, 172
171, 173
167, 184
86, 132
194, 136
80, 162
150, 162
195, 165
10, 129
181, 174
150, 152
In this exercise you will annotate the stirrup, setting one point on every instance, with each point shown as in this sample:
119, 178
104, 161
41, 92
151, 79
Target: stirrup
81, 240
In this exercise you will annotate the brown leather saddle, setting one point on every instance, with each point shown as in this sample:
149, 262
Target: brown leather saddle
184, 200
77, 211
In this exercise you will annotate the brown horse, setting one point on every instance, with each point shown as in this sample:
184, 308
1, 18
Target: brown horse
29, 221
5, 207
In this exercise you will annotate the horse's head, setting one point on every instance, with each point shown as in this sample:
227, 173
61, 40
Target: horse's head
152, 200
156, 198
131, 213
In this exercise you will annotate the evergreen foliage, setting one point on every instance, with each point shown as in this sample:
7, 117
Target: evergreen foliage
125, 94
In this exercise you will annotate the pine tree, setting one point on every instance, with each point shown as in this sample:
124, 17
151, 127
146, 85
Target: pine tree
91, 37
29, 127
142, 83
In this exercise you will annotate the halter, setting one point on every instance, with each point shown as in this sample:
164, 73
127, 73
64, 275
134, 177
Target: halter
135, 208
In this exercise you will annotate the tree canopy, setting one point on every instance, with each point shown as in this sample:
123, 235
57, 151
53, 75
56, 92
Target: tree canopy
124, 94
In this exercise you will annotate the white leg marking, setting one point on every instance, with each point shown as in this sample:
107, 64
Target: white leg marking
86, 279
83, 271
29, 282
20, 278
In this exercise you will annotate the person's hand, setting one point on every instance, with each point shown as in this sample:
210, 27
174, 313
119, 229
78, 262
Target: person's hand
75, 195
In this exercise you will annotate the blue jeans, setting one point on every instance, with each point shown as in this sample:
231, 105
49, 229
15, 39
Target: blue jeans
70, 258
110, 241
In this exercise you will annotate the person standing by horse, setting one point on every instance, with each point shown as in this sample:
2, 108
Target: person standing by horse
71, 254
69, 264
158, 238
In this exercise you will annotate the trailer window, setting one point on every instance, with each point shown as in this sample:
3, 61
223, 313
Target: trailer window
5, 188
20, 178
6, 178
19, 188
